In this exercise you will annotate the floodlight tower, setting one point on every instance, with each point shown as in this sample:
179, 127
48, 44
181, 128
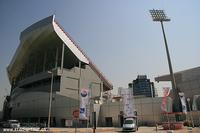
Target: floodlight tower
160, 16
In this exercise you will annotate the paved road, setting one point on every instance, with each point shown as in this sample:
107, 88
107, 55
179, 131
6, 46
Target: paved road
119, 130
109, 130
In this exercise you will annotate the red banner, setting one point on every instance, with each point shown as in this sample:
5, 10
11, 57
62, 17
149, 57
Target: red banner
166, 91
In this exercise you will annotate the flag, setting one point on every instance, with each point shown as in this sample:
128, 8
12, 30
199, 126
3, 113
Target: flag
183, 103
166, 91
84, 103
194, 103
127, 99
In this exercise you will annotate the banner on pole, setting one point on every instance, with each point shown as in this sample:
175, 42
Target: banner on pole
194, 103
166, 91
183, 102
84, 103
127, 99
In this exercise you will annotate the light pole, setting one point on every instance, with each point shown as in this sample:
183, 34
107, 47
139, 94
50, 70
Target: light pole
188, 100
159, 16
152, 86
50, 99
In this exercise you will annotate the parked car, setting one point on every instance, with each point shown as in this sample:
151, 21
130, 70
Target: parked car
12, 124
130, 124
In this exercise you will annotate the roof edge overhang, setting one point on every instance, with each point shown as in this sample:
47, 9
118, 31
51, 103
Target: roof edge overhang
24, 37
67, 41
52, 25
91, 64
167, 78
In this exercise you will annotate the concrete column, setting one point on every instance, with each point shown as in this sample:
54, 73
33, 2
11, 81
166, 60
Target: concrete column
44, 62
56, 58
62, 59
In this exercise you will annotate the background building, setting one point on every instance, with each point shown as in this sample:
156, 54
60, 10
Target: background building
47, 56
188, 81
142, 86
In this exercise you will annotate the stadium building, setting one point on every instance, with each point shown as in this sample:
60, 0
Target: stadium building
47, 56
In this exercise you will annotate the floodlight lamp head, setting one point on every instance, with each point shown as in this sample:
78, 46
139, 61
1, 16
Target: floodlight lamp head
159, 15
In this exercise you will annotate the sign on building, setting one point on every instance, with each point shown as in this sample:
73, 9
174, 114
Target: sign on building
68, 123
76, 113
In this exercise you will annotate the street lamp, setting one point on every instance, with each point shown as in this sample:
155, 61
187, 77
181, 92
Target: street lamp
160, 16
50, 99
188, 100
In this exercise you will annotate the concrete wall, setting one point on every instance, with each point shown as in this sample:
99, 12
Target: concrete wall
35, 104
1, 115
148, 109
75, 79
195, 116
190, 87
188, 81
30, 104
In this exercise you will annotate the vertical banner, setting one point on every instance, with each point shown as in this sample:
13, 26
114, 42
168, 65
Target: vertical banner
84, 103
166, 91
194, 103
183, 102
127, 98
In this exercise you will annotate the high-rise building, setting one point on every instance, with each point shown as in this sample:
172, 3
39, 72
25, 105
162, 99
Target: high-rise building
142, 87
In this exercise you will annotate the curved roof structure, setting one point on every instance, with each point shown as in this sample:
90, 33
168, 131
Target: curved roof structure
40, 31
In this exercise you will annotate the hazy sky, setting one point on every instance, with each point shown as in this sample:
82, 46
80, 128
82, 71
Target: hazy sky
118, 35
